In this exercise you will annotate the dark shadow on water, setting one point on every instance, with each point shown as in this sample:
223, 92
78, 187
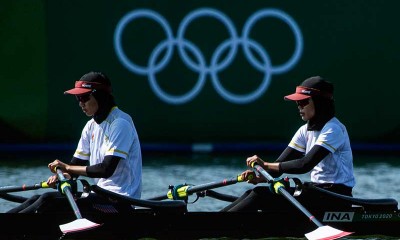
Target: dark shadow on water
192, 155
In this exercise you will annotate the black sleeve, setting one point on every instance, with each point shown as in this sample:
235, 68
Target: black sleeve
79, 162
289, 154
305, 163
104, 169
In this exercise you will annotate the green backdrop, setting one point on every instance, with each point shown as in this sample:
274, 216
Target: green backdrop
46, 45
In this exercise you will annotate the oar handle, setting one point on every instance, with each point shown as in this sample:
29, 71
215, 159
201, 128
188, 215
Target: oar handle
285, 193
8, 189
66, 189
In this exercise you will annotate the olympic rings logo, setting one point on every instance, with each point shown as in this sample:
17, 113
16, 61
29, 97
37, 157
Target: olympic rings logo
216, 64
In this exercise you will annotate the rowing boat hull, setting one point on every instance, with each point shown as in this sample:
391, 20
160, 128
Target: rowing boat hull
170, 219
145, 223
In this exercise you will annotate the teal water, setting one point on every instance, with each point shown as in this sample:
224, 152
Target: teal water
376, 177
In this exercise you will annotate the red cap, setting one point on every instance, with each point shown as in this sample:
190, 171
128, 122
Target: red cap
314, 86
82, 87
301, 94
89, 82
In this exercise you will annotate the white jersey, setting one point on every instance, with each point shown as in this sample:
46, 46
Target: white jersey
115, 136
337, 167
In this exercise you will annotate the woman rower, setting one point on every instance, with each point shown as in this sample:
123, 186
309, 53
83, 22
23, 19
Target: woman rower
321, 146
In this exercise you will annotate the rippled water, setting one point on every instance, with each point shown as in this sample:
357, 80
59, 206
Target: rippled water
376, 177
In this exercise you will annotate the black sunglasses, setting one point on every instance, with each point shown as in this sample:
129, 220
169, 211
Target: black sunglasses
83, 98
303, 103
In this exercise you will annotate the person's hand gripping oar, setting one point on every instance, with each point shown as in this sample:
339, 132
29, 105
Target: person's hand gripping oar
322, 232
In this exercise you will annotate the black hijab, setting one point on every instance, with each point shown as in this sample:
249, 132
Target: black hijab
106, 102
324, 111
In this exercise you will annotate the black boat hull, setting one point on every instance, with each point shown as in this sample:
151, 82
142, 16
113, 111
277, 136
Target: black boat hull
146, 223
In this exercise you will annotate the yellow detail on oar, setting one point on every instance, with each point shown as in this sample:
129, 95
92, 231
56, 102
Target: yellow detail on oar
278, 185
44, 185
240, 178
64, 185
169, 195
181, 193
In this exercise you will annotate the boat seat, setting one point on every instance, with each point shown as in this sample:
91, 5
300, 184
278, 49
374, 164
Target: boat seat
367, 204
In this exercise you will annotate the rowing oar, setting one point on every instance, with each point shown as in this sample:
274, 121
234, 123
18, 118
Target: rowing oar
322, 232
80, 224
183, 191
8, 189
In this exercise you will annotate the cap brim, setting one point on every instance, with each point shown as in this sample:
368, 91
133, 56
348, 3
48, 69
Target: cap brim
78, 91
296, 97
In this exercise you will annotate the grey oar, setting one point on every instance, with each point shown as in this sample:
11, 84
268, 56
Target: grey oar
8, 189
185, 190
322, 232
80, 224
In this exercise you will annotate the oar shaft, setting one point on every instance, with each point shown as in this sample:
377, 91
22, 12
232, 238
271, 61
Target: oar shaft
211, 185
287, 195
68, 192
202, 187
8, 189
